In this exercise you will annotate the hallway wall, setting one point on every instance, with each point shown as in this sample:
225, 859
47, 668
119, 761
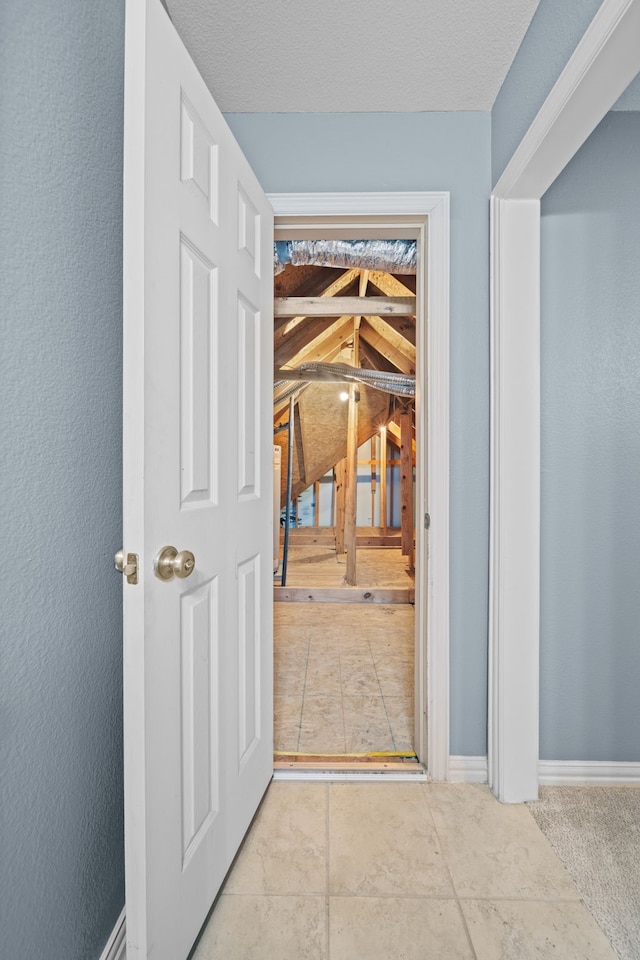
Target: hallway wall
590, 300
590, 435
425, 151
61, 829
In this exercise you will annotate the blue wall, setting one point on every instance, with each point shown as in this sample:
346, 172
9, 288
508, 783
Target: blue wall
590, 599
437, 151
61, 831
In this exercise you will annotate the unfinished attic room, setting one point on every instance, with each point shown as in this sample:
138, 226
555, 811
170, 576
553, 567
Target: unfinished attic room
344, 424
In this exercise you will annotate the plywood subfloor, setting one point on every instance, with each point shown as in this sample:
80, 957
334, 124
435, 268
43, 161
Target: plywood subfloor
318, 566
343, 678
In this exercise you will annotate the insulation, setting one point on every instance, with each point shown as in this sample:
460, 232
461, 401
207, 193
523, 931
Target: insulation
391, 256
397, 384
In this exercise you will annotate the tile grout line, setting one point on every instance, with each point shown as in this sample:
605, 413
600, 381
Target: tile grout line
450, 875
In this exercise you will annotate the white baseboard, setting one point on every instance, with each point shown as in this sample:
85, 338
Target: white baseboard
116, 945
468, 769
587, 772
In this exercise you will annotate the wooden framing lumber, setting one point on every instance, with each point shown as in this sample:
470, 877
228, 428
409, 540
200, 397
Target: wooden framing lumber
406, 486
404, 360
383, 479
351, 487
344, 594
340, 472
341, 306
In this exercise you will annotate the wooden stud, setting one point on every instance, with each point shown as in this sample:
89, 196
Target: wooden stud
352, 487
406, 494
383, 478
316, 499
340, 470
374, 464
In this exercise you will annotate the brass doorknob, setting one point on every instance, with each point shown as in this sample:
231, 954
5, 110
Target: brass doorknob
170, 563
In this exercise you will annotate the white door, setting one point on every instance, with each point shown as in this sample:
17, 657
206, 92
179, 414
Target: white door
197, 476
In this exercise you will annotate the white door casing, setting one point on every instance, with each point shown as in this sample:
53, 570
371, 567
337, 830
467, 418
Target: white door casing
602, 66
198, 358
425, 216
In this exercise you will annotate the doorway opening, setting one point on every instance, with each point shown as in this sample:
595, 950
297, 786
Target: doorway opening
348, 692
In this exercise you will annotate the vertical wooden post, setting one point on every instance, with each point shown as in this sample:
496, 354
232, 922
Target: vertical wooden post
383, 480
406, 487
316, 497
374, 464
340, 488
351, 499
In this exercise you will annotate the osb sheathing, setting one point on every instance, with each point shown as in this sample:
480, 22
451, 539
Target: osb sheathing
321, 431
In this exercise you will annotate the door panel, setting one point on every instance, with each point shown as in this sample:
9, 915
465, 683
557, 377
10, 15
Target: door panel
197, 475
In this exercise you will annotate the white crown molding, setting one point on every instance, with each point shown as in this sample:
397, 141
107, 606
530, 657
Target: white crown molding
116, 946
587, 772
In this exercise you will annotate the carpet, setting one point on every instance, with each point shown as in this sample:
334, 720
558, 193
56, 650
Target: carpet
596, 833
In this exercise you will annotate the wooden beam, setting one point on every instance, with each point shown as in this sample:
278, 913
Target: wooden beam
316, 503
373, 478
287, 346
344, 594
340, 471
339, 306
406, 486
394, 436
404, 360
373, 359
351, 498
389, 285
383, 479
404, 327
325, 344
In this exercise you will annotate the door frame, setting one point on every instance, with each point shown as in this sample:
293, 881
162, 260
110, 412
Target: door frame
604, 63
424, 216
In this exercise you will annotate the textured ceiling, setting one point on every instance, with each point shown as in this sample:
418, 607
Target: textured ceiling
352, 55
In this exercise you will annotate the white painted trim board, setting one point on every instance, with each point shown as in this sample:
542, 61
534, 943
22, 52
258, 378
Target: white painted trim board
554, 772
588, 773
604, 62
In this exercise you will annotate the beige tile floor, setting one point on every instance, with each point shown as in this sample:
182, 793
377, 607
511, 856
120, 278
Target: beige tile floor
343, 677
397, 871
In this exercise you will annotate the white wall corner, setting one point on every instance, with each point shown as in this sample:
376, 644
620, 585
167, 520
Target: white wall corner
116, 946
588, 773
514, 562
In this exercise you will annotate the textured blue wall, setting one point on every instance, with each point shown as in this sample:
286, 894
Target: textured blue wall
437, 151
61, 830
590, 600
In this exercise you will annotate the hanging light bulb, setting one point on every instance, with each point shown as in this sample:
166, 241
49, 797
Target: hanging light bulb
343, 395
